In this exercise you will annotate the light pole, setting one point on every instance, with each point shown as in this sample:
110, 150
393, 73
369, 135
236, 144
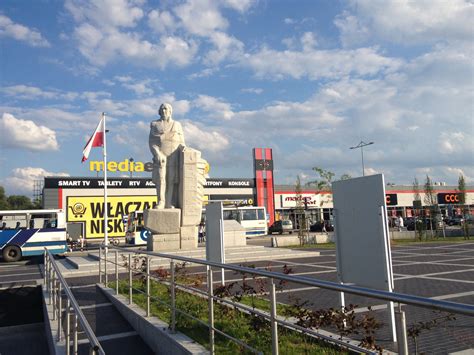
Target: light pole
361, 145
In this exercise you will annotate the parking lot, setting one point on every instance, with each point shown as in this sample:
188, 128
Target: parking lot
442, 271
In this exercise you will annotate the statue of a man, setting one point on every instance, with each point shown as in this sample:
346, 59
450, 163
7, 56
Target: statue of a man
166, 137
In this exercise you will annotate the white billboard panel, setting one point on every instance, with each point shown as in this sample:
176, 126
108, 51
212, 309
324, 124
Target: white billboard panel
215, 233
362, 243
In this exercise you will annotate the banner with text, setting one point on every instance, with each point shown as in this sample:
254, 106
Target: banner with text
90, 210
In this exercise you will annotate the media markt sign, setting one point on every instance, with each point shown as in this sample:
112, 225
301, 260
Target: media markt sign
90, 211
123, 166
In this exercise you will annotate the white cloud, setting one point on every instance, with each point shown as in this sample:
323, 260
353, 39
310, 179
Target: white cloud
21, 180
239, 5
106, 13
8, 28
406, 22
216, 108
225, 47
200, 18
102, 47
207, 140
31, 93
257, 91
140, 87
317, 64
161, 21
24, 134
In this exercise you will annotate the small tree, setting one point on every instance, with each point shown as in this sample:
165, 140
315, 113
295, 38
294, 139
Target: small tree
418, 226
3, 200
430, 200
325, 181
19, 202
300, 213
462, 202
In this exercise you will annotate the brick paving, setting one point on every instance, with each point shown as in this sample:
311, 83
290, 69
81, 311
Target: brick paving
428, 270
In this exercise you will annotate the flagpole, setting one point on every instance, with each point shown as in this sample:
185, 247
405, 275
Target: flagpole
106, 239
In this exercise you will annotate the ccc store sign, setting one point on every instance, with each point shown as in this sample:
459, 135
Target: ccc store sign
449, 198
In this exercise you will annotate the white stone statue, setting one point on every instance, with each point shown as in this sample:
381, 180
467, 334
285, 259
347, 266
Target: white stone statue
166, 143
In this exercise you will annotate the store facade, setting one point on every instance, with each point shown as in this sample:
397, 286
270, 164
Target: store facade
82, 198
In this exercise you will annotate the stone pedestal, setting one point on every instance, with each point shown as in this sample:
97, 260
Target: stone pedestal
163, 221
177, 228
160, 242
234, 234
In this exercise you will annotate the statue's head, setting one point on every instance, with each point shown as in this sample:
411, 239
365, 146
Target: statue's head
165, 111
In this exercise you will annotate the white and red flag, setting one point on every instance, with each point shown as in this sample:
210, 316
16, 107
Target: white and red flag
97, 139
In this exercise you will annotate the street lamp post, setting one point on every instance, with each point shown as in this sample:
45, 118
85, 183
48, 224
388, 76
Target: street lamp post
361, 145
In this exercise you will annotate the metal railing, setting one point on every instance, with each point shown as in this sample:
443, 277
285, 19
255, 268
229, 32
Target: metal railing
56, 286
400, 298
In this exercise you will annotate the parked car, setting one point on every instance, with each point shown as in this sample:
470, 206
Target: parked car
426, 223
318, 226
455, 221
281, 227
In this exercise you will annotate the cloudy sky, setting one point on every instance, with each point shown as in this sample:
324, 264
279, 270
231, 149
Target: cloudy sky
307, 78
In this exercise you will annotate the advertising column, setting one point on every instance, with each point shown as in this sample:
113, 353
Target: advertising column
263, 169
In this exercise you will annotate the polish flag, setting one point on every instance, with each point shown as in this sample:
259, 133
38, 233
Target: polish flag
97, 140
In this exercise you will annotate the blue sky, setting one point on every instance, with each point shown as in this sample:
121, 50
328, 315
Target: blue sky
307, 78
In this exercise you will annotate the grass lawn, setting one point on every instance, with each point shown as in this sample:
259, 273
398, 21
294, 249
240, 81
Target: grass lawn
254, 331
439, 240
312, 246
394, 242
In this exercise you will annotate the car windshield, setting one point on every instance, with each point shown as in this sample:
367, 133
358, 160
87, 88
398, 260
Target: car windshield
286, 223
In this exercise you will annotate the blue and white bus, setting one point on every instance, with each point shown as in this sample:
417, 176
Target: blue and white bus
28, 232
253, 219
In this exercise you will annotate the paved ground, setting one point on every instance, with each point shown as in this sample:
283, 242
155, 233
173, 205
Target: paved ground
441, 271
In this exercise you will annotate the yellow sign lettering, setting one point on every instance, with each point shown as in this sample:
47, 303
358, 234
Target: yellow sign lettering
90, 211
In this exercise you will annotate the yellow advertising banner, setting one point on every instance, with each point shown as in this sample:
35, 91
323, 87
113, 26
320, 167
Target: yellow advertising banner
90, 211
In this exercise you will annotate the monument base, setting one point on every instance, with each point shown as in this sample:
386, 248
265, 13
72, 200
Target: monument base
167, 232
160, 242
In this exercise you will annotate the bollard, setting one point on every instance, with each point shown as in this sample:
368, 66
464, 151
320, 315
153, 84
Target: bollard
148, 286
106, 277
273, 316
130, 279
116, 273
401, 326
51, 278
68, 327
100, 264
75, 334
210, 293
44, 269
173, 298
53, 296
60, 311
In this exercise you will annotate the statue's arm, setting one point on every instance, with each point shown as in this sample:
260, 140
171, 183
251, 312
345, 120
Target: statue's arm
155, 148
180, 134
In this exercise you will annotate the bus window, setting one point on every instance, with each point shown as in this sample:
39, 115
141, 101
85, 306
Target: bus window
45, 220
261, 214
248, 215
230, 215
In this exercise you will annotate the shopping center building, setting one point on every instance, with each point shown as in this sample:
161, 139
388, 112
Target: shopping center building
82, 197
